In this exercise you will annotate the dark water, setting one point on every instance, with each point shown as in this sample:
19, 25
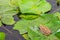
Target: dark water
15, 34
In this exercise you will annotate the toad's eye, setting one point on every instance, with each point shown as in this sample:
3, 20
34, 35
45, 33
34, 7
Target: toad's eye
45, 30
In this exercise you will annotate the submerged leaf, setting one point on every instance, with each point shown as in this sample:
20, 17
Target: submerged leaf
58, 2
2, 36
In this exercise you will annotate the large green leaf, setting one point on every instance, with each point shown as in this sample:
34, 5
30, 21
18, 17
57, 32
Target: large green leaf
34, 6
5, 7
2, 36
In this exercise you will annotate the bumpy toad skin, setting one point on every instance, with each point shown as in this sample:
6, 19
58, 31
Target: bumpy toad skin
45, 30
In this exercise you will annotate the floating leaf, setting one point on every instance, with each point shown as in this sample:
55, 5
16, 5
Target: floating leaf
7, 11
29, 16
21, 26
34, 6
9, 20
10, 12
